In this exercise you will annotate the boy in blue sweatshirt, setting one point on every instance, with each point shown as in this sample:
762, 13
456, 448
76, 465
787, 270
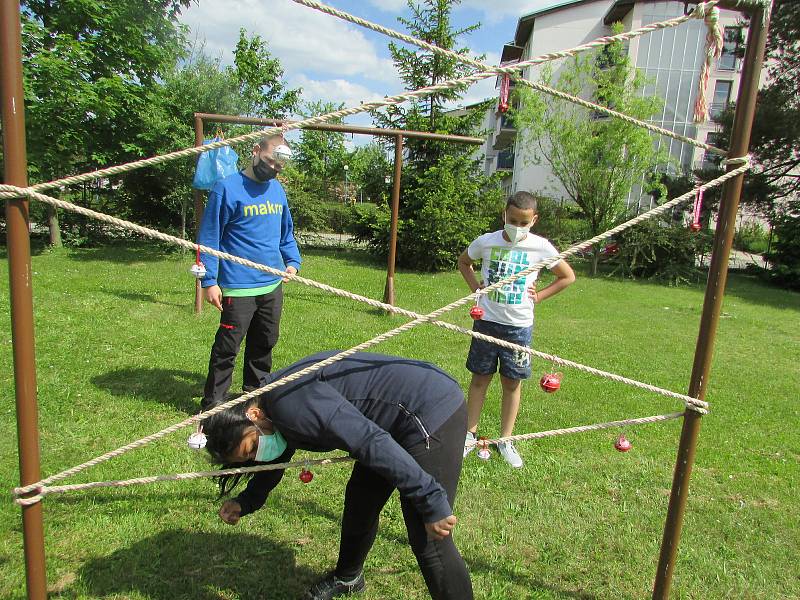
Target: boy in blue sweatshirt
247, 215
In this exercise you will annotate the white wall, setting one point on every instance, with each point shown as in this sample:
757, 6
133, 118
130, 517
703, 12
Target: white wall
559, 30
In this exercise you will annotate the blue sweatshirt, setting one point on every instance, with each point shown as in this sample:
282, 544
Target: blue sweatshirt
250, 219
373, 406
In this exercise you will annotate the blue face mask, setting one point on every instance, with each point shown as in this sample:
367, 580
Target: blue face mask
270, 447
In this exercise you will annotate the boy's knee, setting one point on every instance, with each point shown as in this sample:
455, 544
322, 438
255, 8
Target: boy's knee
510, 385
481, 381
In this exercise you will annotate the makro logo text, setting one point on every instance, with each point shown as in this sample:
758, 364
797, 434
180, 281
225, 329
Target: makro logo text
265, 208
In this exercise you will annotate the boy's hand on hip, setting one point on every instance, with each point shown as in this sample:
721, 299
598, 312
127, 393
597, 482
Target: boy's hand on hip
532, 293
230, 512
441, 529
213, 295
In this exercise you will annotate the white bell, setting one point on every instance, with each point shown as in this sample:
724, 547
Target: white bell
282, 154
198, 270
197, 441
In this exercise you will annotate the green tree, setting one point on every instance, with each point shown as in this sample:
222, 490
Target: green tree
199, 83
467, 205
321, 155
88, 66
368, 170
773, 186
597, 159
263, 91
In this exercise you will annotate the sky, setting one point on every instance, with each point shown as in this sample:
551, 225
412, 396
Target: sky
337, 61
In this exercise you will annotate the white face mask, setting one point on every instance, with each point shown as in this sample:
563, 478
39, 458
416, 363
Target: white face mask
516, 234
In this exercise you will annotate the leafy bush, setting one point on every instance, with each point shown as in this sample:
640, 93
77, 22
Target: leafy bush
785, 255
655, 250
751, 237
442, 210
561, 224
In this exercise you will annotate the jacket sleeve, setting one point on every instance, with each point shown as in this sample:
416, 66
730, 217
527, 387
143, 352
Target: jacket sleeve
375, 448
261, 484
212, 227
288, 245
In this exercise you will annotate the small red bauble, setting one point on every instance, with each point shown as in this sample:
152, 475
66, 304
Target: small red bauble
550, 382
695, 226
306, 476
623, 444
476, 312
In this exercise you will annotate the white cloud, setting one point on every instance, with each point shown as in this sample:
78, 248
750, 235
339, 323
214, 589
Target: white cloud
304, 40
492, 12
334, 90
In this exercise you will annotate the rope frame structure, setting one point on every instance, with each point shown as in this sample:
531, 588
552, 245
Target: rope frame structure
30, 192
691, 403
34, 561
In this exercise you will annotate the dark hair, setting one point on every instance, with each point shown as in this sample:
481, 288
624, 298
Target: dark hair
224, 432
522, 200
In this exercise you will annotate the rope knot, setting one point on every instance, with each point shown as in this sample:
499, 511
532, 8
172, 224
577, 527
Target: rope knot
707, 11
739, 160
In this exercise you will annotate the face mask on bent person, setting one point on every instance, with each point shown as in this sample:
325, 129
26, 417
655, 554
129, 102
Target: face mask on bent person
270, 446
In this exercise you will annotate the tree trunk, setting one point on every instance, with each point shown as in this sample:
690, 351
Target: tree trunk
53, 226
595, 260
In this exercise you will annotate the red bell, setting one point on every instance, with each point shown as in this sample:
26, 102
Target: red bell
695, 226
476, 312
306, 476
551, 382
623, 444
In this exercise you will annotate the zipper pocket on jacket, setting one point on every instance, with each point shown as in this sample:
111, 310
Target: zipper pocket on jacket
420, 425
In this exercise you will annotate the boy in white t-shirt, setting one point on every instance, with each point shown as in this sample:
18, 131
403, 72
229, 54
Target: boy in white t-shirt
507, 312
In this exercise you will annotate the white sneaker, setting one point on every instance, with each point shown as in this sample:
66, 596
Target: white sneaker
469, 443
510, 454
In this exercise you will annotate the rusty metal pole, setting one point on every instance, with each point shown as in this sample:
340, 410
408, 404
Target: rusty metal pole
198, 214
21, 291
712, 305
388, 292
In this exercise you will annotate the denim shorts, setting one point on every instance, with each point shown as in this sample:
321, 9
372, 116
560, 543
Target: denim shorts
484, 357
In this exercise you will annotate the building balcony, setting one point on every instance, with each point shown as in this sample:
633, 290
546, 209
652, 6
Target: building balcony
504, 134
505, 161
716, 109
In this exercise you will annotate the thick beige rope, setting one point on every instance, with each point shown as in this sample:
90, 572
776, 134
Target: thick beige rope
691, 403
60, 489
582, 428
700, 12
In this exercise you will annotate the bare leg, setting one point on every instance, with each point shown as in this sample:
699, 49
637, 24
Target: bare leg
512, 389
476, 396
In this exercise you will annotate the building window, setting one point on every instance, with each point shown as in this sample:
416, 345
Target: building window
722, 95
731, 49
711, 160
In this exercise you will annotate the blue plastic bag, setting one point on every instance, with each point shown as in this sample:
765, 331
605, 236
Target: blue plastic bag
214, 165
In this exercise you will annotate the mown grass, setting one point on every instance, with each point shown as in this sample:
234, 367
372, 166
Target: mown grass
120, 355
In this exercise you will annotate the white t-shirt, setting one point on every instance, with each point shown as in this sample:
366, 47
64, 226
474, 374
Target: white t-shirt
510, 304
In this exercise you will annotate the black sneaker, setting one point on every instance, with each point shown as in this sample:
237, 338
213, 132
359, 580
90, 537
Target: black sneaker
332, 586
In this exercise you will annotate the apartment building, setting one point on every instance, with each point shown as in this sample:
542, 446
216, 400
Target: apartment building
671, 59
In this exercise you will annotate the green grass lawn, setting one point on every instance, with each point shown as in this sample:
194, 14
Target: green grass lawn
120, 355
